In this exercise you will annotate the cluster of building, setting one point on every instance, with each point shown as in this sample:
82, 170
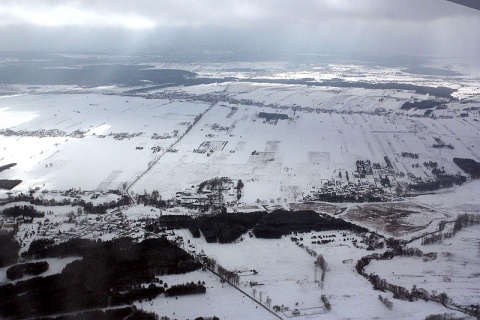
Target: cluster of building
42, 133
125, 135
369, 182
166, 135
79, 193
219, 195
88, 226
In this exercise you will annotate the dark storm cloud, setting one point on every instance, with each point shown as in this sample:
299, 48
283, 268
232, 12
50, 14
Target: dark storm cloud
368, 26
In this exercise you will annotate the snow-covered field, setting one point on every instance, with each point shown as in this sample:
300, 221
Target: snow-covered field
455, 271
100, 140
97, 161
296, 154
286, 274
55, 265
221, 300
463, 199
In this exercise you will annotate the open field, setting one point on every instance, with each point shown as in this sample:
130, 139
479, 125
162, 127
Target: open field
454, 271
97, 160
221, 300
416, 215
454, 200
286, 274
395, 219
293, 155
308, 148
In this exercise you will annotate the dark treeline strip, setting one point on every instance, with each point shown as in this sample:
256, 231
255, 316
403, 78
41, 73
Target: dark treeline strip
469, 166
222, 227
25, 211
424, 104
102, 208
110, 273
228, 227
135, 293
441, 181
37, 248
9, 184
350, 198
465, 220
174, 222
273, 116
7, 166
89, 207
462, 221
127, 313
279, 222
403, 293
184, 289
8, 249
30, 268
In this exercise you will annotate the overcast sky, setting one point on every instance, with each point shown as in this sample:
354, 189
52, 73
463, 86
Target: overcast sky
425, 27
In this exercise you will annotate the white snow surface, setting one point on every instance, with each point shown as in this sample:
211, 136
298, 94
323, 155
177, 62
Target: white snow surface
279, 162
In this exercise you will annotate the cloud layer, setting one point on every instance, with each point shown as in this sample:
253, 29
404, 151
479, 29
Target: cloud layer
428, 27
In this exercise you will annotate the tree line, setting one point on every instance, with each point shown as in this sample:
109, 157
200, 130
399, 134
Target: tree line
469, 166
228, 227
22, 211
462, 221
184, 289
9, 249
88, 206
31, 268
222, 227
126, 313
280, 222
109, 273
403, 293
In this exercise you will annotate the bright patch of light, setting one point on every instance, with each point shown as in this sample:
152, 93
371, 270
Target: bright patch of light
70, 16
10, 119
343, 5
102, 129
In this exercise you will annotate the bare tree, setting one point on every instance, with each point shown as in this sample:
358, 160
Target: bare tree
322, 264
268, 302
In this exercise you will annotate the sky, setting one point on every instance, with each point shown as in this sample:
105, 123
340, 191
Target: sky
375, 27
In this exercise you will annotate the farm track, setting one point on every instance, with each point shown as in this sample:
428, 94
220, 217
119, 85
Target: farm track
162, 154
226, 280
239, 289
127, 190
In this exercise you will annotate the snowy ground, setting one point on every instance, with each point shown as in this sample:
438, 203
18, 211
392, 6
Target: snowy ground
459, 200
455, 271
286, 274
56, 265
398, 219
278, 161
92, 162
294, 154
221, 300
